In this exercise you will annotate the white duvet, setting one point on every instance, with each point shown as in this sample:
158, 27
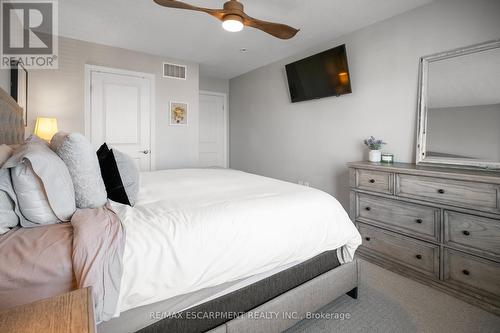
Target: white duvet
196, 228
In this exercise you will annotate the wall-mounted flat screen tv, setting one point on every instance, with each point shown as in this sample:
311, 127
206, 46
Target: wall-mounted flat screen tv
322, 75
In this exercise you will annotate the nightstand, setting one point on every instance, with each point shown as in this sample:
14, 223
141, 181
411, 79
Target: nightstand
70, 312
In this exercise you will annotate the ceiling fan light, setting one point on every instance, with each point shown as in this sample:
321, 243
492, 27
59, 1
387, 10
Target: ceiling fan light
232, 23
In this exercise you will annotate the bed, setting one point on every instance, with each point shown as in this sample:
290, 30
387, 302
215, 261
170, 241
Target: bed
203, 250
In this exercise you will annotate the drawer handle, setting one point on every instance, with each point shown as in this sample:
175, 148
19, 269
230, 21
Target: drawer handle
418, 256
466, 233
372, 181
466, 272
367, 239
441, 191
419, 221
368, 208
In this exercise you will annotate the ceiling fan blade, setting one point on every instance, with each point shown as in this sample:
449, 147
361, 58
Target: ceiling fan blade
278, 30
217, 13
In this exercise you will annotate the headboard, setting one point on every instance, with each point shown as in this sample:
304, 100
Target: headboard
11, 120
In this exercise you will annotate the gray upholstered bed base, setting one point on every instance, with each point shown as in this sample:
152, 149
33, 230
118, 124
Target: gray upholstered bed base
318, 282
308, 297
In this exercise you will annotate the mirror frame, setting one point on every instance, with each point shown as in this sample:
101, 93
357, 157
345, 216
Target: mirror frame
421, 150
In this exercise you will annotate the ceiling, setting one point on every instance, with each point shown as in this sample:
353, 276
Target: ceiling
144, 26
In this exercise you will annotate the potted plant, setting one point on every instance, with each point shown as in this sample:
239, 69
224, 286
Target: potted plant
374, 145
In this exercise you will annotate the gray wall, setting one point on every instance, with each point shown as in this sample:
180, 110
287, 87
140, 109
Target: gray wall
312, 141
5, 80
60, 93
470, 131
214, 84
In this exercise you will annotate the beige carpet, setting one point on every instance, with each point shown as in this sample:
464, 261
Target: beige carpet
389, 302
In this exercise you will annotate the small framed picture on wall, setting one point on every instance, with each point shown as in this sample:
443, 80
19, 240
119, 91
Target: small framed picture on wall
179, 113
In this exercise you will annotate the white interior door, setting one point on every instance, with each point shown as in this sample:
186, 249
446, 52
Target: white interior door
120, 114
212, 131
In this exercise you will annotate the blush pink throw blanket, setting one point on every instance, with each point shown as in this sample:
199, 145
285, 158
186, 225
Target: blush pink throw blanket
41, 262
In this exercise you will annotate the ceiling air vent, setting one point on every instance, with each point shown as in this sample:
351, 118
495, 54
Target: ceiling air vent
174, 71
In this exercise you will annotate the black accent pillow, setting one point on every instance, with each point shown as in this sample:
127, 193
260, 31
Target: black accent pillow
111, 175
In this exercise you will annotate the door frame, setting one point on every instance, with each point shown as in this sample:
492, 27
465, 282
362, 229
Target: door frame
226, 121
152, 104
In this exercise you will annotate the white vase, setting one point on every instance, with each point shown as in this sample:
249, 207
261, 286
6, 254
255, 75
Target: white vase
374, 156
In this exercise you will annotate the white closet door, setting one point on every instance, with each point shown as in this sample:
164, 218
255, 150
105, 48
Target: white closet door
212, 131
120, 111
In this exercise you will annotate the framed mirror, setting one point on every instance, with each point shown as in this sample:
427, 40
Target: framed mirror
459, 107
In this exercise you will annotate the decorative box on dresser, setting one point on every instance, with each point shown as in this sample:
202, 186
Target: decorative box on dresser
440, 226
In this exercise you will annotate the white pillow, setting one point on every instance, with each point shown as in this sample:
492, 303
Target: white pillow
80, 158
33, 201
8, 217
5, 154
42, 185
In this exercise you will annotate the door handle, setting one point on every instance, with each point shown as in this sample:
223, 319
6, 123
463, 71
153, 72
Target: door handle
145, 151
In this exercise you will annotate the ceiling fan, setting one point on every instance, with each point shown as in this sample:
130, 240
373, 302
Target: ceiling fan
234, 18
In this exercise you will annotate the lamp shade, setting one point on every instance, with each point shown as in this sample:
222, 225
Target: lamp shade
45, 128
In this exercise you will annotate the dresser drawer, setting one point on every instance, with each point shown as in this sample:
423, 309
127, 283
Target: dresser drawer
479, 233
472, 272
453, 192
409, 218
420, 256
377, 181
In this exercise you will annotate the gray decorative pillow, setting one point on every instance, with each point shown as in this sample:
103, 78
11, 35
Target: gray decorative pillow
77, 152
44, 192
129, 173
35, 139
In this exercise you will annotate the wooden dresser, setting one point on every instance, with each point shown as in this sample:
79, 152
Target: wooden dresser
440, 226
